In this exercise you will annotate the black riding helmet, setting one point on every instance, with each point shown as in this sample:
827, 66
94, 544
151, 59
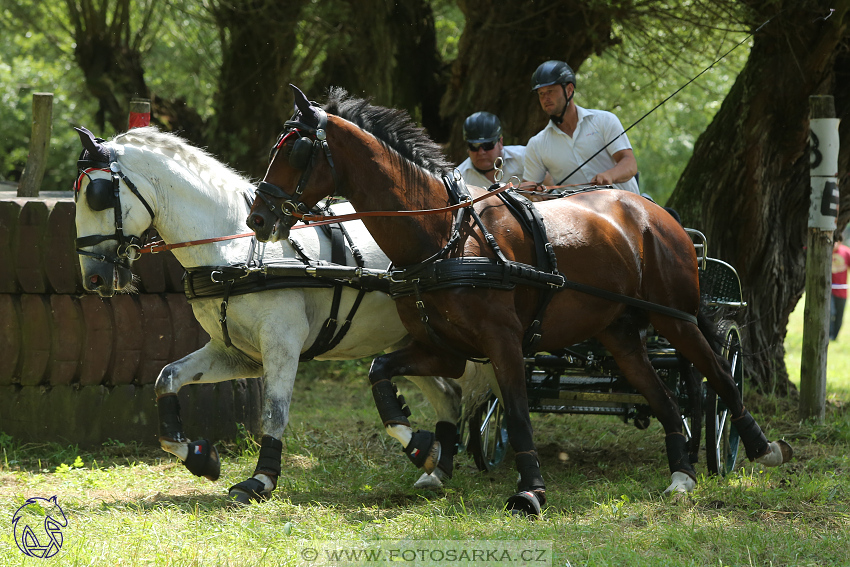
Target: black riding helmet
482, 127
554, 73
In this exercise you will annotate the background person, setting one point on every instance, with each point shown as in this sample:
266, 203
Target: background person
574, 134
838, 299
484, 143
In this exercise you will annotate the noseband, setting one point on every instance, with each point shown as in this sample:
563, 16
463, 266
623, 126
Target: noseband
101, 195
304, 155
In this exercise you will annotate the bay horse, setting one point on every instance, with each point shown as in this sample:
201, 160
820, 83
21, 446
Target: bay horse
607, 240
146, 178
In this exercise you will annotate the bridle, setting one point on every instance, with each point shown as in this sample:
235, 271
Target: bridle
102, 194
304, 155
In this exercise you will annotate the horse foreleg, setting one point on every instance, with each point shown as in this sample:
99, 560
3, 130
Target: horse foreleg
421, 447
280, 361
509, 368
209, 364
690, 341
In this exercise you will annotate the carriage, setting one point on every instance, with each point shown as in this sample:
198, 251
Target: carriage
585, 379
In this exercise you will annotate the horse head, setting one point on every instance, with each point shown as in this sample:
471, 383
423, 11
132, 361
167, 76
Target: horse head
300, 159
106, 219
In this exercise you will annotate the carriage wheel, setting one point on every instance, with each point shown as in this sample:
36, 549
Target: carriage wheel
488, 434
721, 437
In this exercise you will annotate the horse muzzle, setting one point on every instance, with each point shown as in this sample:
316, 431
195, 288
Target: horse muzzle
265, 225
105, 278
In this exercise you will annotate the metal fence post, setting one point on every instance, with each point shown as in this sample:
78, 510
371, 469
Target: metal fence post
42, 126
823, 213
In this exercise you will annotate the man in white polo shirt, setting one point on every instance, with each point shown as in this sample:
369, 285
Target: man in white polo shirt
483, 134
574, 134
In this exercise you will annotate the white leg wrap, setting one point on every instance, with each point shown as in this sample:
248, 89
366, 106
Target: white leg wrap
433, 480
267, 482
178, 449
681, 483
403, 433
780, 452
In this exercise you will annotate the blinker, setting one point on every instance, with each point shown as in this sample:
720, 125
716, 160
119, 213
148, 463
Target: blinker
100, 195
299, 156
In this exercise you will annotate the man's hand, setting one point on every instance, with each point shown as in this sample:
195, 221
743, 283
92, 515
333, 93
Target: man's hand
604, 178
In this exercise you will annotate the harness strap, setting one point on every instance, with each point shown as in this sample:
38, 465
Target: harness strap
628, 300
432, 334
326, 333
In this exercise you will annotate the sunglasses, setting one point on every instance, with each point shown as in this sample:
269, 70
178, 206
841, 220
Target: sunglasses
486, 146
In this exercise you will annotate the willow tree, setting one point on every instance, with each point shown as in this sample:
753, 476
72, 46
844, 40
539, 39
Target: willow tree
747, 184
252, 99
502, 44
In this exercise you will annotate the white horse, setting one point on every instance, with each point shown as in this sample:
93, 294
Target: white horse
146, 178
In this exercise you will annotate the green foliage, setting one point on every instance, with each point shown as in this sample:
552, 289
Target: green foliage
630, 82
25, 69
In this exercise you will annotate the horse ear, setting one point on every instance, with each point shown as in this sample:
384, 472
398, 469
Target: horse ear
309, 113
91, 145
301, 102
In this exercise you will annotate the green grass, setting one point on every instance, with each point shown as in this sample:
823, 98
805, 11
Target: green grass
344, 479
837, 360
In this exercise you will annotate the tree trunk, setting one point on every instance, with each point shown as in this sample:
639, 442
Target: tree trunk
107, 54
253, 98
387, 51
503, 42
747, 184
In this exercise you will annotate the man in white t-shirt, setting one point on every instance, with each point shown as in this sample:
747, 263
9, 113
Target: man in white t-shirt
570, 147
483, 134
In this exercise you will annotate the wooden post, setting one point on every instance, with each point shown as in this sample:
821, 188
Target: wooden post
140, 113
823, 213
42, 126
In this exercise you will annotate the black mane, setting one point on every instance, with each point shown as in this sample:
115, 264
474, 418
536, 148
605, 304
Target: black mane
393, 127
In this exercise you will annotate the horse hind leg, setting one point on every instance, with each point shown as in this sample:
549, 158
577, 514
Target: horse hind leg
444, 395
692, 342
422, 447
624, 341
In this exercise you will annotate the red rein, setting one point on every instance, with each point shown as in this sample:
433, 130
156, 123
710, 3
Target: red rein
312, 220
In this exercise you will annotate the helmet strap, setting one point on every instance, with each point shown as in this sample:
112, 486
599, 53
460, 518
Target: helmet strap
558, 118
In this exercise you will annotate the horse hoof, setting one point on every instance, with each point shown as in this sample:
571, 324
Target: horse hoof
524, 504
779, 452
203, 460
430, 480
248, 491
682, 483
424, 450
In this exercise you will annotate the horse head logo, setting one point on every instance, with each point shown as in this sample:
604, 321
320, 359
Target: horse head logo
38, 527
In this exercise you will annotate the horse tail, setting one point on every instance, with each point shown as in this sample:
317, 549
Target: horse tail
709, 329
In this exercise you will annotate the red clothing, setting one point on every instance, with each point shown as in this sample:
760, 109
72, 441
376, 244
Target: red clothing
840, 265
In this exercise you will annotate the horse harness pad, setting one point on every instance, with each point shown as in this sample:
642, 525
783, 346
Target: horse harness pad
227, 281
440, 272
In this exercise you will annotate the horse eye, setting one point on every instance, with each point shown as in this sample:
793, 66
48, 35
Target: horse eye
99, 195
